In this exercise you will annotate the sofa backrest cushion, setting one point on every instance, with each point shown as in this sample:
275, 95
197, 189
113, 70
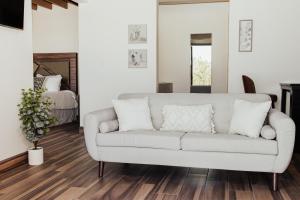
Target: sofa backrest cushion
222, 105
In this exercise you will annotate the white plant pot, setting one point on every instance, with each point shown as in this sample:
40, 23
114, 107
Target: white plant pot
36, 156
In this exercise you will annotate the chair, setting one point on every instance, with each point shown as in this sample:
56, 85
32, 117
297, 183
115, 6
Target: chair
165, 88
249, 87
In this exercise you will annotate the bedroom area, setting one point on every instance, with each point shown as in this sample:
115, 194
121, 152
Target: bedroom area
55, 58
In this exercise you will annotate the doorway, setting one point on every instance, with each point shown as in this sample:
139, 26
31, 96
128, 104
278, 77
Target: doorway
185, 30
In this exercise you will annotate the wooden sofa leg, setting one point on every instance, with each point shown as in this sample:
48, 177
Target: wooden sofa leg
101, 169
275, 182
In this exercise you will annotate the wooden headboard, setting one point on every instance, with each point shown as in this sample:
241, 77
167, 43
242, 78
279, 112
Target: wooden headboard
46, 61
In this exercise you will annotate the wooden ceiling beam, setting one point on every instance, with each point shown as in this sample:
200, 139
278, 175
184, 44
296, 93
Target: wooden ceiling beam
43, 3
73, 2
34, 6
61, 3
175, 2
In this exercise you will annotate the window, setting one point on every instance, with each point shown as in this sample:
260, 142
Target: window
201, 48
201, 65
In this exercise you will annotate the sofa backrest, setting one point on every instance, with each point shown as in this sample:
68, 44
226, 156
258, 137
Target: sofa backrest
222, 104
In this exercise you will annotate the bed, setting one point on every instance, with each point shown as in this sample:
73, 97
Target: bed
65, 97
65, 107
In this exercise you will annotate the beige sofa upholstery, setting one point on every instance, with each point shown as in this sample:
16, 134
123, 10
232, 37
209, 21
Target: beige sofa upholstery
218, 151
141, 139
223, 142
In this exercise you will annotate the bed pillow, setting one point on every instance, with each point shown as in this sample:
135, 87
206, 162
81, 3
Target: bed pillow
52, 83
38, 82
248, 118
109, 126
133, 114
267, 132
188, 118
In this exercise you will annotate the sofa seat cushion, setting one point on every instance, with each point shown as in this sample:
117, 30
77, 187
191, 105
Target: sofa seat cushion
228, 143
141, 139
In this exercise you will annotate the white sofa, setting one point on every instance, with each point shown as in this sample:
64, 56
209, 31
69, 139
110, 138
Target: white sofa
215, 151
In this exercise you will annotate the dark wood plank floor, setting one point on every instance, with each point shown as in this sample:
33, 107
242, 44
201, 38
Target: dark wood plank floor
69, 173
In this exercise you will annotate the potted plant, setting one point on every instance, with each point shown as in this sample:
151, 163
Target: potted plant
35, 116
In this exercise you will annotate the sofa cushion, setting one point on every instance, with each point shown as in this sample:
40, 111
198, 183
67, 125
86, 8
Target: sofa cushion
268, 132
109, 126
222, 105
133, 114
196, 118
141, 139
220, 142
248, 117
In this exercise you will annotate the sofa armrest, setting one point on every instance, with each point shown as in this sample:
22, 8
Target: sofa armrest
91, 123
285, 131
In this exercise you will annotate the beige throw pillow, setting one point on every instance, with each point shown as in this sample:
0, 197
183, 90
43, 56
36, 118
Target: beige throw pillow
109, 126
133, 114
248, 117
198, 118
268, 132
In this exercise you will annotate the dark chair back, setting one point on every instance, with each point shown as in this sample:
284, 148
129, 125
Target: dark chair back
165, 88
249, 86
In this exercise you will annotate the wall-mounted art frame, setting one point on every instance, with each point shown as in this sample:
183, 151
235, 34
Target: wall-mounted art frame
137, 34
246, 35
137, 58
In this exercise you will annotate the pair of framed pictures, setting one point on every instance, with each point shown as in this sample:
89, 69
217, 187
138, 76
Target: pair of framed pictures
137, 34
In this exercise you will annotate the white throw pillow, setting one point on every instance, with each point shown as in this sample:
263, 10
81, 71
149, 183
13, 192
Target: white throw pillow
133, 114
52, 83
109, 126
268, 132
248, 118
188, 118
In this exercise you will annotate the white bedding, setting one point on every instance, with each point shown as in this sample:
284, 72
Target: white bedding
64, 99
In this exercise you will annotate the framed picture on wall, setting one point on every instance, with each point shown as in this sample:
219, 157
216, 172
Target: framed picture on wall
137, 34
137, 58
246, 35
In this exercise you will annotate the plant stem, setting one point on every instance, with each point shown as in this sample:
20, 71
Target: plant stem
35, 143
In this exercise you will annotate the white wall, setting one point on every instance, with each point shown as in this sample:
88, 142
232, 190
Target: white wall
56, 30
275, 57
16, 73
103, 51
176, 24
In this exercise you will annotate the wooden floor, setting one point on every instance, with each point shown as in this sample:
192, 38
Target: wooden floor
69, 173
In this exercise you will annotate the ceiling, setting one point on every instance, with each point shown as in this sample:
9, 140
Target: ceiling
48, 3
173, 2
64, 3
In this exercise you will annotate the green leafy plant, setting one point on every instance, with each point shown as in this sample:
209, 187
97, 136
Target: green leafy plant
34, 113
201, 72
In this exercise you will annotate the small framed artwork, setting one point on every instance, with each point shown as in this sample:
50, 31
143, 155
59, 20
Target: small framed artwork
137, 58
246, 36
137, 34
